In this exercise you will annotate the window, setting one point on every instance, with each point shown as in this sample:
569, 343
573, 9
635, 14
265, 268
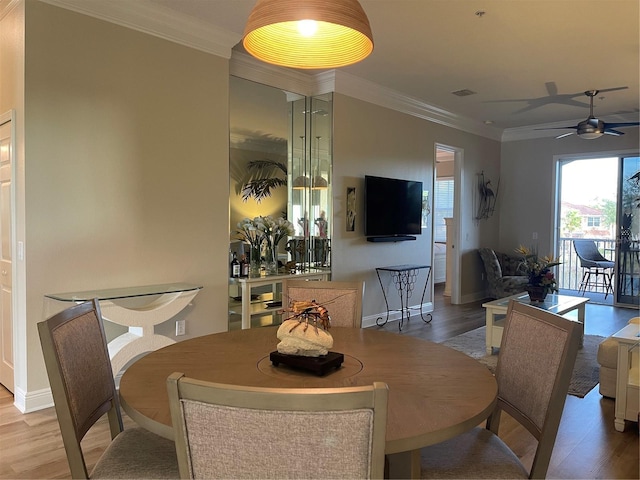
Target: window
443, 206
593, 221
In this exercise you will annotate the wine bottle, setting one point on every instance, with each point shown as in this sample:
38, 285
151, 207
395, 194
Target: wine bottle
235, 266
244, 266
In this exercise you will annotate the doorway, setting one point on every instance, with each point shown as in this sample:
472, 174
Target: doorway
6, 265
446, 219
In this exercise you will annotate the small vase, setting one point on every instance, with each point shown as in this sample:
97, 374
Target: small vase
537, 293
254, 262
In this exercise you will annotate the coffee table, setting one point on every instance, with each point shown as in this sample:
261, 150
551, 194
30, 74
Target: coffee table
558, 304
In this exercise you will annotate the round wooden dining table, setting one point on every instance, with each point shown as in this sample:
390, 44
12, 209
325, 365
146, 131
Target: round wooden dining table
435, 392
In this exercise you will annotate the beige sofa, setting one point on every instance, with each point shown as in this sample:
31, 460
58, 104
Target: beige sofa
608, 360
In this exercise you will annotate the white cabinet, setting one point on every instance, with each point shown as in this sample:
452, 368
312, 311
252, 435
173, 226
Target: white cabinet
255, 302
628, 381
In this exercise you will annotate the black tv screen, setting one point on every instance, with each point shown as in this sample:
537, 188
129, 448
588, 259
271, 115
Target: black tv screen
393, 207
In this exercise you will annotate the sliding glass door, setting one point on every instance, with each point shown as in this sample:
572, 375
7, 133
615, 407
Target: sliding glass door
627, 272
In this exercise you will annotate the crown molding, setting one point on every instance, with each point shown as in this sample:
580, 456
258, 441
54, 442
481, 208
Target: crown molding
373, 93
158, 21
247, 67
143, 16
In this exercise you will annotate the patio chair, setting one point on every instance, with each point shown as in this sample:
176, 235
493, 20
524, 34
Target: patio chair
536, 359
593, 263
77, 361
227, 431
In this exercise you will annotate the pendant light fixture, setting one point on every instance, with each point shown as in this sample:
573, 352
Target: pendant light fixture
301, 182
308, 34
318, 182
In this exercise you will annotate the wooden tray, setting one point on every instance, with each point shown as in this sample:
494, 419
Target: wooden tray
318, 365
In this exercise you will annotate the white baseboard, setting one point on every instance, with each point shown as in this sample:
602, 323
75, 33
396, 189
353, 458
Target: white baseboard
28, 402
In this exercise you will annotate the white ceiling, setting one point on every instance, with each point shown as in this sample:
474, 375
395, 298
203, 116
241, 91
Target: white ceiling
528, 60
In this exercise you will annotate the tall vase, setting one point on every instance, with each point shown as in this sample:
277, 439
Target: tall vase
271, 258
254, 261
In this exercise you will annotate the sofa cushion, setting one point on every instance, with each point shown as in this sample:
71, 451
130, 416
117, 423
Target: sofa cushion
510, 264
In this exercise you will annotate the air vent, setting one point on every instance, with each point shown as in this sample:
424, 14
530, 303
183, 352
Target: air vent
465, 92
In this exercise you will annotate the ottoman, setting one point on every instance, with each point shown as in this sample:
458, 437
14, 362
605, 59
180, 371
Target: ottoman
608, 360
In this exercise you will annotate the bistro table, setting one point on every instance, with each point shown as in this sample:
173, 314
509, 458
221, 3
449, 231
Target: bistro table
435, 392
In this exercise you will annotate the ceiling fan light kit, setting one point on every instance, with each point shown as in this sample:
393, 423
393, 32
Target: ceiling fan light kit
593, 128
308, 34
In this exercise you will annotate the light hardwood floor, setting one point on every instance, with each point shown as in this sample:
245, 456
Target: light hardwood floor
587, 445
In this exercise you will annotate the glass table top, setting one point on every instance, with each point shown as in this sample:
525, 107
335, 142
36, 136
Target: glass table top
553, 302
125, 292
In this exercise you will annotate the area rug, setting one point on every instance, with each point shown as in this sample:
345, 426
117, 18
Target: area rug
585, 372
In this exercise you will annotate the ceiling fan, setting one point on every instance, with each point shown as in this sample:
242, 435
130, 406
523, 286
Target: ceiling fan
592, 127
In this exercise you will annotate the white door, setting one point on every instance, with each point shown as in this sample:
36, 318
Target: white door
6, 320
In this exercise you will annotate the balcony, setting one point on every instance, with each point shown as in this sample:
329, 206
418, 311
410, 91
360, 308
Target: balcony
569, 272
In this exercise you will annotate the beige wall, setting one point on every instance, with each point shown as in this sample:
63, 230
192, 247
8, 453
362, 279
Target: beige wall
529, 166
373, 140
126, 167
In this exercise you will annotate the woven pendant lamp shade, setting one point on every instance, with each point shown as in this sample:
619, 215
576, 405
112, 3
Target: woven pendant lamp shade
300, 183
343, 34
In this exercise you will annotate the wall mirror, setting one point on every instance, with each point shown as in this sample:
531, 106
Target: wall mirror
280, 165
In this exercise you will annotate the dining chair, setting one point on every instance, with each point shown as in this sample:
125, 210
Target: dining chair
535, 363
343, 300
83, 388
228, 431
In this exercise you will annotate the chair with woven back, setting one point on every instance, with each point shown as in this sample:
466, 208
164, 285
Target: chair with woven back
83, 388
535, 363
228, 431
343, 300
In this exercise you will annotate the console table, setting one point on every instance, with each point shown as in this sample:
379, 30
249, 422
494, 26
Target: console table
260, 306
166, 301
404, 278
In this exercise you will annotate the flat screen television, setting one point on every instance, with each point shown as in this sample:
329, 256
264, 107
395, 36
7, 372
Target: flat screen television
393, 209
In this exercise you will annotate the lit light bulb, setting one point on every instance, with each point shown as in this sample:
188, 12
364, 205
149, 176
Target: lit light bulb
307, 28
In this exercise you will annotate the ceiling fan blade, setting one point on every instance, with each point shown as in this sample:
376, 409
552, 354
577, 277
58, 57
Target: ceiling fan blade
612, 89
575, 127
615, 133
564, 135
624, 124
